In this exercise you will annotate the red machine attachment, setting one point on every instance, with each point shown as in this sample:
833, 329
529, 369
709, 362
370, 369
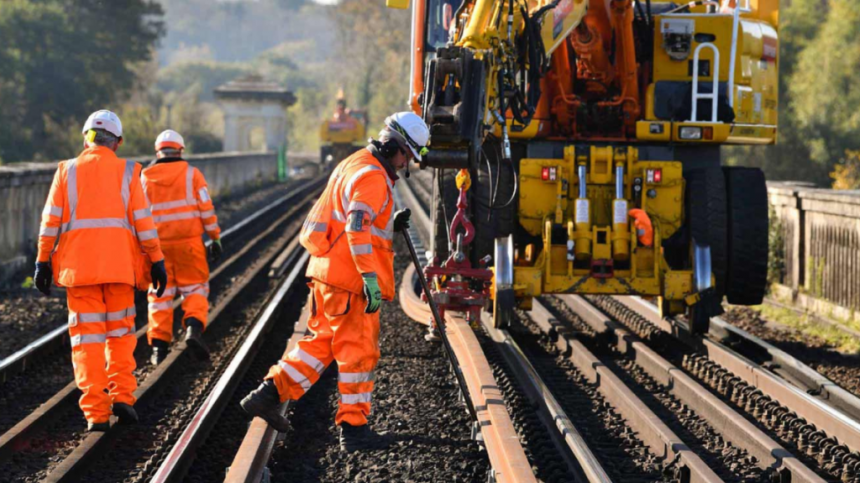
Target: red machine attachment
455, 284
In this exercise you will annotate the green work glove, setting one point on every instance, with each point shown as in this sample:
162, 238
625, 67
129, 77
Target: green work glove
215, 250
371, 293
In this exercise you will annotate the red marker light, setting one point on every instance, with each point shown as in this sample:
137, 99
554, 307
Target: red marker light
544, 174
658, 175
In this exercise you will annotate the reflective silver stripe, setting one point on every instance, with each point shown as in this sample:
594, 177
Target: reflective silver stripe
189, 185
72, 187
96, 223
388, 235
365, 249
355, 377
350, 185
159, 306
295, 375
204, 194
308, 359
126, 183
212, 227
49, 231
147, 235
337, 215
88, 339
362, 397
207, 213
176, 216
169, 291
88, 318
112, 334
198, 289
316, 226
359, 206
120, 314
52, 210
142, 213
169, 205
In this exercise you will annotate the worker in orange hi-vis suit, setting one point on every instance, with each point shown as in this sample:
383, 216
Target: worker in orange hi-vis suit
182, 210
97, 209
349, 234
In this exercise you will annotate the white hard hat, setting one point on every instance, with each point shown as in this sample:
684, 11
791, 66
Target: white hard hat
413, 129
106, 120
169, 139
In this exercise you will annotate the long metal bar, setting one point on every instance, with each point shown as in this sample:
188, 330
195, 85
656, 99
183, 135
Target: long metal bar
440, 324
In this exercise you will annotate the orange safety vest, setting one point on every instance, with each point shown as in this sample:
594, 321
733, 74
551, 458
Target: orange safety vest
97, 208
181, 205
340, 254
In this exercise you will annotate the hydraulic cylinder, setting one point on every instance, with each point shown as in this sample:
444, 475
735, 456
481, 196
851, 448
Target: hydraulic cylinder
620, 227
582, 218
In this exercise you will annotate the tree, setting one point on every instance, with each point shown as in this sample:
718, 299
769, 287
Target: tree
61, 60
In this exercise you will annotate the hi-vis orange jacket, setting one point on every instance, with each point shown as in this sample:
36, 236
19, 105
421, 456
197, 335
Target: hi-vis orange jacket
359, 183
97, 208
181, 205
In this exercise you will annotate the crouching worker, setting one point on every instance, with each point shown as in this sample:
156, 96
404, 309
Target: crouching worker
97, 209
349, 234
182, 210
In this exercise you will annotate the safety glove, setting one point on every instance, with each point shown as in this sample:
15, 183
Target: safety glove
159, 277
215, 250
43, 277
401, 220
371, 293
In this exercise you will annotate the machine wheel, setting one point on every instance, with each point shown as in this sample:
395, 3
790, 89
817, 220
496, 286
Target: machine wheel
325, 151
444, 201
706, 219
492, 221
746, 279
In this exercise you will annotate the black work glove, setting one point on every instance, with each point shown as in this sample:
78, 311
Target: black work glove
159, 277
401, 220
43, 277
215, 250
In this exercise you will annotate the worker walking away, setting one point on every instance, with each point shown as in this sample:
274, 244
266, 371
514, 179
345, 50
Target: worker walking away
182, 210
97, 209
349, 234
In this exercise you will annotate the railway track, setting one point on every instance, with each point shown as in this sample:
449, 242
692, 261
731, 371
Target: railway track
704, 411
49, 443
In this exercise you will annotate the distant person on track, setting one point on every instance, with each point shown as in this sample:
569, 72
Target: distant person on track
97, 209
349, 234
182, 210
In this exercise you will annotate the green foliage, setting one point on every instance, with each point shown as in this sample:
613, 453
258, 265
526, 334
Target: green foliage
775, 248
54, 70
846, 175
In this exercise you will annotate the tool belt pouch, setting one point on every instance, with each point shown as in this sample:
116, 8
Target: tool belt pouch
142, 269
317, 229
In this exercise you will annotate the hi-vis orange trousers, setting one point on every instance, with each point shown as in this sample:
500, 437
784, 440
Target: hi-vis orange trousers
101, 328
341, 331
187, 273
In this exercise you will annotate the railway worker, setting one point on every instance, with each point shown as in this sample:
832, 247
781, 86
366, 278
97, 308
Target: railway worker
183, 210
97, 208
351, 276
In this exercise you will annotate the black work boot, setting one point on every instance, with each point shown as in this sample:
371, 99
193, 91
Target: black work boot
194, 338
125, 413
264, 402
354, 438
160, 349
97, 427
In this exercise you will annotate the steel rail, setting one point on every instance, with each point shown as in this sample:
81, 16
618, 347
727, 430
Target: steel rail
731, 425
825, 417
507, 456
182, 454
250, 463
578, 456
661, 440
17, 436
30, 354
